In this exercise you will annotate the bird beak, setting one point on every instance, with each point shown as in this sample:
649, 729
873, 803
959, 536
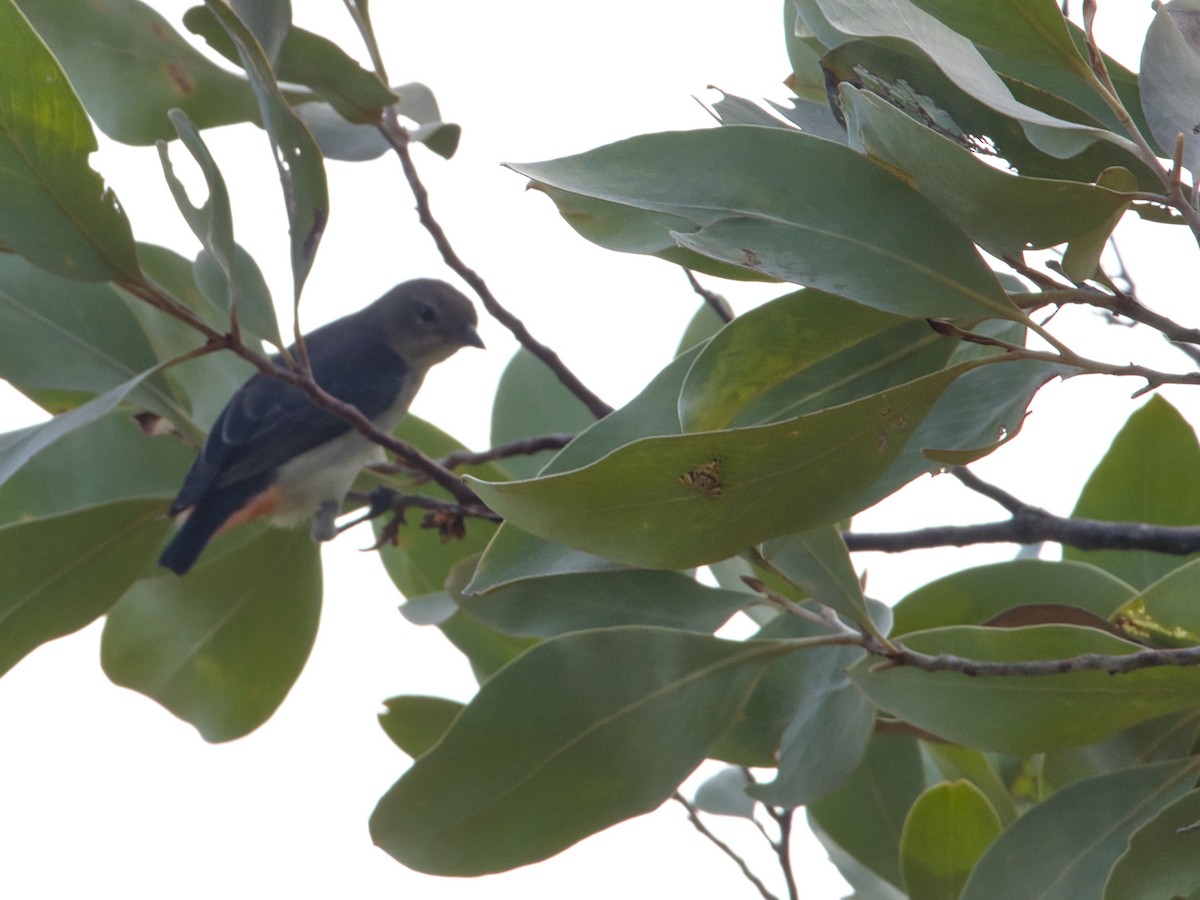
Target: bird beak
470, 337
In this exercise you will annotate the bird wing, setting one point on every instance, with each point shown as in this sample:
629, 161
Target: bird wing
268, 422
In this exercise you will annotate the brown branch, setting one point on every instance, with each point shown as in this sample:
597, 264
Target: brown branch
522, 447
400, 140
716, 302
1032, 525
1086, 662
693, 815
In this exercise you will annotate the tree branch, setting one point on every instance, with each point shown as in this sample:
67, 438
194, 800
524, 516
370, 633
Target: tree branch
716, 302
1033, 525
400, 140
693, 815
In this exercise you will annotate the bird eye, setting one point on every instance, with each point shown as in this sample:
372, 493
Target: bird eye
426, 314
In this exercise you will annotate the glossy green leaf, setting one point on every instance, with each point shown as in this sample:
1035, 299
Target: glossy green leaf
110, 460
675, 502
417, 723
1170, 78
418, 561
1031, 42
578, 733
1081, 260
221, 647
297, 157
60, 573
45, 141
1021, 714
270, 21
824, 721
1165, 614
768, 346
865, 817
531, 401
544, 607
1129, 484
975, 596
514, 554
1087, 824
818, 563
299, 56
955, 763
703, 325
972, 418
1158, 740
486, 649
785, 204
1003, 212
946, 831
910, 79
63, 342
339, 139
1161, 859
18, 447
106, 48
836, 21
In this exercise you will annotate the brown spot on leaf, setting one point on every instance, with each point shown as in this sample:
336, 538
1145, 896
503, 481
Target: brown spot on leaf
704, 478
183, 82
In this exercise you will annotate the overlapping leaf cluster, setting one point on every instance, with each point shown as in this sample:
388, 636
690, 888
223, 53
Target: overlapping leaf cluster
923, 134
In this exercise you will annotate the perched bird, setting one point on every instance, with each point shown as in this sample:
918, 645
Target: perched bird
272, 452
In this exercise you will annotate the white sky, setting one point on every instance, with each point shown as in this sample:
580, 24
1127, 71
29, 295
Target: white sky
103, 792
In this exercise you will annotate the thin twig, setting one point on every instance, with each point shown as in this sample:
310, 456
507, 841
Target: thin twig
693, 816
715, 301
783, 847
400, 140
522, 447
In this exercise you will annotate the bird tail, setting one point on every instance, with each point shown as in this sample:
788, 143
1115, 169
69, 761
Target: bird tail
203, 522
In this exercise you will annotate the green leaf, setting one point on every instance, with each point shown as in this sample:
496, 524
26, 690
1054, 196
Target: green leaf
908, 78
947, 829
1170, 78
956, 763
60, 573
767, 347
1003, 212
724, 794
975, 596
297, 157
818, 723
1088, 824
836, 21
1160, 860
1167, 737
675, 502
1129, 484
45, 139
18, 447
222, 647
580, 732
1165, 614
120, 46
531, 401
703, 325
301, 57
417, 103
819, 564
1081, 260
224, 272
110, 460
1021, 714
417, 723
544, 607
63, 342
865, 817
514, 554
786, 204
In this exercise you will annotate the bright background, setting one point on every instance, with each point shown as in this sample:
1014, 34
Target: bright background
103, 792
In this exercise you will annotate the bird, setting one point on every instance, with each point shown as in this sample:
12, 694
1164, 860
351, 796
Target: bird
273, 452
